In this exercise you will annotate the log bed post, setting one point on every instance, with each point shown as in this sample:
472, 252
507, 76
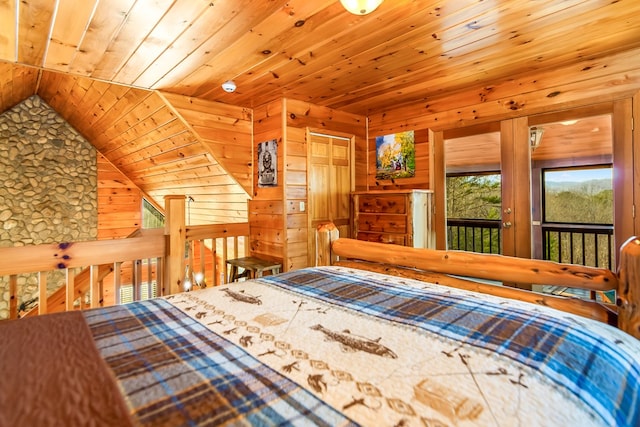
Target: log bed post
628, 300
326, 234
175, 230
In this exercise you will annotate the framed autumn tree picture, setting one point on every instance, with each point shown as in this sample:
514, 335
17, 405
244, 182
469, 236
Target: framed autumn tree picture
396, 155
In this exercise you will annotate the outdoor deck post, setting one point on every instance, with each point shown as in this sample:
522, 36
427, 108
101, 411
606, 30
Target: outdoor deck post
175, 231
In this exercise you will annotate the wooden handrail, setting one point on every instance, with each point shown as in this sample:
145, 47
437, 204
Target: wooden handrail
59, 256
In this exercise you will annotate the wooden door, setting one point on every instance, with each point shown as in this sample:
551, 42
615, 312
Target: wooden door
330, 185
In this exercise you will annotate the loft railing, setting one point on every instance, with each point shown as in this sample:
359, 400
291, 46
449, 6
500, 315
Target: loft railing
84, 268
152, 258
474, 235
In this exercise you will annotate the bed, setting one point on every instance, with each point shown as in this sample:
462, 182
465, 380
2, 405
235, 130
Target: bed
328, 345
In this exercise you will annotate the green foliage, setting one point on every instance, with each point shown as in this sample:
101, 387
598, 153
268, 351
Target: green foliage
579, 207
474, 197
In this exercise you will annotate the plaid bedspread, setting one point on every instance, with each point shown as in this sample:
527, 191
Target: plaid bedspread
335, 346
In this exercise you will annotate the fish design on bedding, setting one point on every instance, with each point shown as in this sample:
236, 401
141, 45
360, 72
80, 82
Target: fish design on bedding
352, 342
241, 296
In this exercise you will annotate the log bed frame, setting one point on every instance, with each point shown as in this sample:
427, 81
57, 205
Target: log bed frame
459, 268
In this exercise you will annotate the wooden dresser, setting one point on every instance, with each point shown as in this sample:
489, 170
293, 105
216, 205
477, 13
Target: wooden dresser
398, 217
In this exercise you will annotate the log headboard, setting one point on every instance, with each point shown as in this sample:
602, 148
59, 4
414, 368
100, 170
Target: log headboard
499, 274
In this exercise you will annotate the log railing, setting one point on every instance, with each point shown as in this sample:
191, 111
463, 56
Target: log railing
459, 269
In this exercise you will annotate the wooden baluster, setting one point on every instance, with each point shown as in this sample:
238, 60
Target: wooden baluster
149, 280
160, 276
225, 258
137, 280
117, 281
70, 288
203, 259
214, 273
42, 292
13, 296
94, 287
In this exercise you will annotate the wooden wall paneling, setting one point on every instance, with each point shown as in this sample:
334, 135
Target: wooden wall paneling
226, 131
167, 149
266, 210
133, 124
164, 152
301, 116
624, 171
421, 178
119, 202
267, 236
613, 77
16, 84
295, 196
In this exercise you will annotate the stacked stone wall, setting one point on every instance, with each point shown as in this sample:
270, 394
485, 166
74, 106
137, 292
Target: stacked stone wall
48, 187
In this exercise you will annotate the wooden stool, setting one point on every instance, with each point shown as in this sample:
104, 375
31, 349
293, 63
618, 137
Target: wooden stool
253, 267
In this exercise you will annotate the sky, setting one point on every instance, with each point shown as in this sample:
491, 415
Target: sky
578, 175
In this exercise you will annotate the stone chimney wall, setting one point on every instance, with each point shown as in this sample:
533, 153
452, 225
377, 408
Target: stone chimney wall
48, 187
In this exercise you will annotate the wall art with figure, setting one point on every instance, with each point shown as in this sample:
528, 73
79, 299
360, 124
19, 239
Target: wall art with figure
396, 155
268, 163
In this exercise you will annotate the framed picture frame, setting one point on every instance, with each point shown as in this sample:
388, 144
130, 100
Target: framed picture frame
396, 156
268, 163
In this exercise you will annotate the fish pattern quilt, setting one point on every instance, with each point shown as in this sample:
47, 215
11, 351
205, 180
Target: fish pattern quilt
338, 346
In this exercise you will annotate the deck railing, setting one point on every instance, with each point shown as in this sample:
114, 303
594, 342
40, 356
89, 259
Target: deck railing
584, 244
474, 235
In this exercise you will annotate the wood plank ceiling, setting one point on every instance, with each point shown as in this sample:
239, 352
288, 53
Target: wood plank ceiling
88, 59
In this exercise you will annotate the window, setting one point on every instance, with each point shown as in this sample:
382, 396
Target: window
151, 217
473, 212
578, 216
578, 196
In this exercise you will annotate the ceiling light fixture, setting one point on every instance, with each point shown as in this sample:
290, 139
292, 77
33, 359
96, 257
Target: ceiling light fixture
535, 137
360, 7
229, 86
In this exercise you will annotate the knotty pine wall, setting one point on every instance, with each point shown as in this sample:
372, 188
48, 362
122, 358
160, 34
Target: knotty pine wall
119, 202
279, 229
266, 209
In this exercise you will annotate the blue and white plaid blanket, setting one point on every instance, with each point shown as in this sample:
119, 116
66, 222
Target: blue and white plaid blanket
336, 346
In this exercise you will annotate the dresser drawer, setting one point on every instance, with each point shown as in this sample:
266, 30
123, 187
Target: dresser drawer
396, 239
382, 223
392, 204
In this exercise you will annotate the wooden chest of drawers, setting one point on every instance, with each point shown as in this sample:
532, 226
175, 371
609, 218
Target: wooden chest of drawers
398, 217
